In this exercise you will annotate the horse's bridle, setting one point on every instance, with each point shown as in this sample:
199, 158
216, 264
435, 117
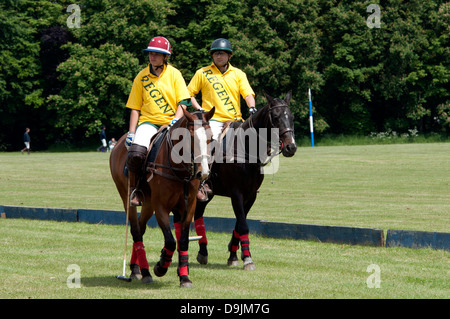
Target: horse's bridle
284, 131
189, 168
280, 134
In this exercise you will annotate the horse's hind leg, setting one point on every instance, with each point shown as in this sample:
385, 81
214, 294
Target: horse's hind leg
199, 223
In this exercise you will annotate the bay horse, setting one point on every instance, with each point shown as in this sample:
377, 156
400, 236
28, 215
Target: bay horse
241, 181
170, 184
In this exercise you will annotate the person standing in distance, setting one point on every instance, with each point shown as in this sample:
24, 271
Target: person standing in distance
26, 141
102, 148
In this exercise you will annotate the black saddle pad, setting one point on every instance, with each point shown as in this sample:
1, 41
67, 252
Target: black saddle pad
156, 145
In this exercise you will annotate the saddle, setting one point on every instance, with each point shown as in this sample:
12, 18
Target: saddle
155, 143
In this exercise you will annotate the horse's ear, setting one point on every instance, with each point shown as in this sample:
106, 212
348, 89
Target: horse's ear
187, 114
268, 97
288, 97
210, 114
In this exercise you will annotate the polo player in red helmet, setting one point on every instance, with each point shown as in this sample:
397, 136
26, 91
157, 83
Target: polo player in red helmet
157, 97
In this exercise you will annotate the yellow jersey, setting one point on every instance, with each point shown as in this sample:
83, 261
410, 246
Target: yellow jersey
157, 97
221, 90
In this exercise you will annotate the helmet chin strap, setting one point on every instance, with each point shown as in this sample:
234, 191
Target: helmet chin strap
156, 67
227, 65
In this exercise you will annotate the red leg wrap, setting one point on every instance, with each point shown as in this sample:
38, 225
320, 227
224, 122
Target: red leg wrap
245, 245
235, 242
167, 258
201, 230
134, 257
177, 232
184, 264
141, 256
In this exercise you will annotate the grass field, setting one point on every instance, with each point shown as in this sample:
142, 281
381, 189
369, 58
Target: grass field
403, 186
35, 256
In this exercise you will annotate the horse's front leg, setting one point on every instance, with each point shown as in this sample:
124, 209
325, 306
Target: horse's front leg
165, 260
138, 262
183, 255
240, 234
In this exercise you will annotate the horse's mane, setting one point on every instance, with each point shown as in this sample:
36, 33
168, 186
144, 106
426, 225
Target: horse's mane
184, 118
260, 113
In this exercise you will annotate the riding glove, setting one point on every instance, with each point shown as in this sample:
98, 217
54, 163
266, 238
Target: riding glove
252, 110
173, 122
129, 140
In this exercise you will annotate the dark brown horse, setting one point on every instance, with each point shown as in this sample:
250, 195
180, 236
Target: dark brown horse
241, 180
171, 184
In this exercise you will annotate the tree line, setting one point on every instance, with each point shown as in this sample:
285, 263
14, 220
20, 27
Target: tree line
66, 70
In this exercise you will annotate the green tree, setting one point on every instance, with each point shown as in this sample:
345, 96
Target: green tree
362, 79
97, 83
21, 84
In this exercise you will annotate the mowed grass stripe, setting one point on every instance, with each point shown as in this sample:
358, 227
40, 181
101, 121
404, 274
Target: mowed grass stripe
36, 254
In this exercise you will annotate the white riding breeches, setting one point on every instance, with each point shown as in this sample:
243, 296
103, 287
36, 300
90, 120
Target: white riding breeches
144, 134
216, 128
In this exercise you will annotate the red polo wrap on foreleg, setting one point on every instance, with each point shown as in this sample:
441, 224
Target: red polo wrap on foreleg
167, 257
134, 257
141, 256
201, 230
184, 263
177, 232
235, 241
245, 245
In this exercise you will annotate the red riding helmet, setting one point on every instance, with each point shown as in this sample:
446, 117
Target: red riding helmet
160, 45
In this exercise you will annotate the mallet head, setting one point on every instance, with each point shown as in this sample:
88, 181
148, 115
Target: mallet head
123, 278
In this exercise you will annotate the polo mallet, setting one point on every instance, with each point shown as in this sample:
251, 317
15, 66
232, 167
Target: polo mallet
123, 277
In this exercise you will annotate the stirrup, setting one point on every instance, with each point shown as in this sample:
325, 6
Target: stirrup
202, 195
134, 193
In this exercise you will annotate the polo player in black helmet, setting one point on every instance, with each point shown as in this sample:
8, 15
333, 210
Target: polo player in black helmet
222, 86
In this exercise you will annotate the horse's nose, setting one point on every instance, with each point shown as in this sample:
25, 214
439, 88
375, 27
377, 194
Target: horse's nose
201, 176
290, 150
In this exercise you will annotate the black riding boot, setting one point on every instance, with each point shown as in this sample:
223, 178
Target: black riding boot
137, 155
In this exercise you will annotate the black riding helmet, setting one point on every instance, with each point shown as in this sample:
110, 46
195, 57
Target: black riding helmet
221, 44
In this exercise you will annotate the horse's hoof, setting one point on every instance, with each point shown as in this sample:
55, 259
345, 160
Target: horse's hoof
248, 264
136, 276
186, 285
147, 280
185, 282
233, 262
135, 273
203, 260
159, 271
